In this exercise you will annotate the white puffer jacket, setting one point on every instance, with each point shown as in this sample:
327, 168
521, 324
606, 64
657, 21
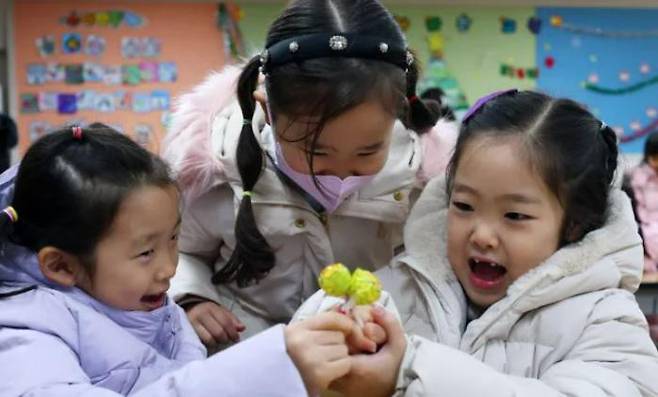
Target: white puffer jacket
570, 327
364, 231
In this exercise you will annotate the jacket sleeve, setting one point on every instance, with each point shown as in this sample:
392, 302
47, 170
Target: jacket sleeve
614, 356
232, 372
204, 221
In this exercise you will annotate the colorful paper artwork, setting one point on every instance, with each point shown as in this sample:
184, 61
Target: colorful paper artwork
160, 100
46, 45
93, 72
167, 72
148, 72
86, 100
112, 75
507, 25
29, 103
55, 72
105, 103
141, 102
74, 74
36, 74
71, 43
66, 103
95, 45
131, 75
47, 101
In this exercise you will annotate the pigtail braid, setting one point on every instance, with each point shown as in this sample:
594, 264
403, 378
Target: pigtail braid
252, 257
421, 118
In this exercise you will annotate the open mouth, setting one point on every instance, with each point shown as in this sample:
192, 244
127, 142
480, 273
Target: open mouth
155, 300
485, 273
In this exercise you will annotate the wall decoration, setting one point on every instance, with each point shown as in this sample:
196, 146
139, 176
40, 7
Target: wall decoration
104, 19
112, 75
105, 103
507, 25
167, 72
463, 23
36, 74
404, 22
55, 72
623, 76
74, 74
67, 103
518, 72
29, 103
148, 72
47, 101
130, 74
228, 19
95, 45
71, 43
45, 45
160, 100
93, 72
141, 102
86, 100
534, 25
610, 69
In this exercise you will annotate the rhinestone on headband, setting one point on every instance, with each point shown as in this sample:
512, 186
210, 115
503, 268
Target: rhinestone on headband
293, 46
383, 48
263, 57
410, 58
338, 43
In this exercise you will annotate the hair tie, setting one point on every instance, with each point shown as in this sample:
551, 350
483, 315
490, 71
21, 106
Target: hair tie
77, 132
11, 213
412, 99
480, 102
246, 193
246, 122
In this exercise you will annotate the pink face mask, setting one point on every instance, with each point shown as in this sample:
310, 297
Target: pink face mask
330, 190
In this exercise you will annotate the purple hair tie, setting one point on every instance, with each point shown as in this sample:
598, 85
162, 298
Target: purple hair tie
480, 102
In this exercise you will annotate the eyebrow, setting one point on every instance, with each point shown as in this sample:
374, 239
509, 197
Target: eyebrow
514, 197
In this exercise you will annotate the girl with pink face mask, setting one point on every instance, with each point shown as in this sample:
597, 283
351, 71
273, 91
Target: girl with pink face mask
320, 164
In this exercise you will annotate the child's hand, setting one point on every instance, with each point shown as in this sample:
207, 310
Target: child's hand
214, 324
317, 347
366, 335
376, 374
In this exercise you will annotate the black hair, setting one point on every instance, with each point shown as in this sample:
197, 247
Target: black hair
574, 152
323, 88
650, 146
434, 99
69, 188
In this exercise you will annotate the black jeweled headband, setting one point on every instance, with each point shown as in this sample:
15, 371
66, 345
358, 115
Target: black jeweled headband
345, 45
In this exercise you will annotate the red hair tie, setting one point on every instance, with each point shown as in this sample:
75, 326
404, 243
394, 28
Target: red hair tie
77, 132
412, 99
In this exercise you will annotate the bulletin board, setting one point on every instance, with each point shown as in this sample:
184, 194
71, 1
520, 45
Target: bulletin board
607, 59
120, 63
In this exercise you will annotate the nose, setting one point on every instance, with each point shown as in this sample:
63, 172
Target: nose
168, 268
484, 236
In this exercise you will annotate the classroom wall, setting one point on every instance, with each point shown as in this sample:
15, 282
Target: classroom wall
189, 39
615, 47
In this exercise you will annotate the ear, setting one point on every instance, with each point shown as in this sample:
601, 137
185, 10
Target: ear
261, 97
59, 266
